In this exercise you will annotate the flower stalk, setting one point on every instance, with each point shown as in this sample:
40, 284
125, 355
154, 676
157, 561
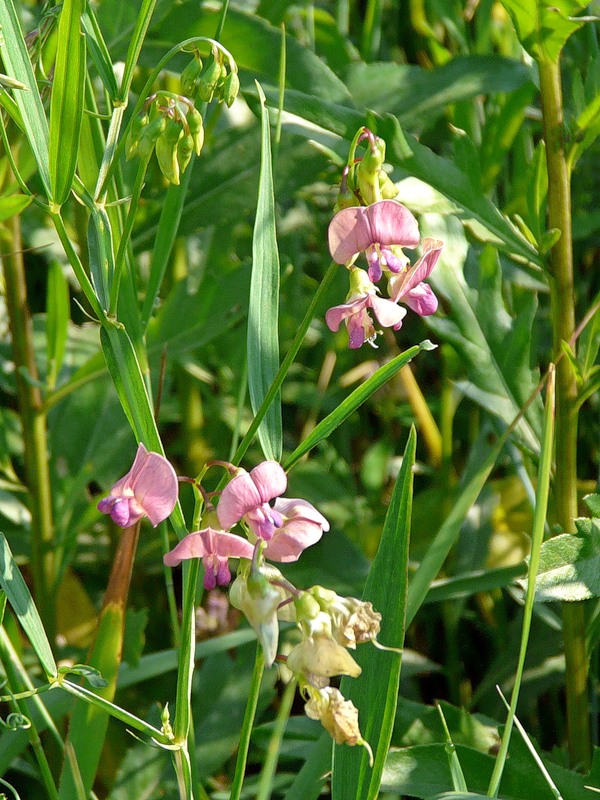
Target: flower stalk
563, 324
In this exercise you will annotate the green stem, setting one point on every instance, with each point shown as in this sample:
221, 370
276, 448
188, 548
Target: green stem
563, 323
186, 653
33, 421
265, 785
250, 713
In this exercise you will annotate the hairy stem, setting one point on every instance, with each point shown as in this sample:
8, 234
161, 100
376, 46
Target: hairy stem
563, 323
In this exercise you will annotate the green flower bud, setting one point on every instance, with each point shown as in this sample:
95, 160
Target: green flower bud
149, 135
231, 87
190, 75
368, 170
208, 80
166, 151
196, 126
387, 187
133, 139
258, 600
185, 148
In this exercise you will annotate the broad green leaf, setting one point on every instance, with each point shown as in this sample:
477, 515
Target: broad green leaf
16, 63
375, 693
494, 344
22, 604
418, 96
592, 501
57, 321
543, 26
354, 401
13, 204
66, 105
570, 564
263, 312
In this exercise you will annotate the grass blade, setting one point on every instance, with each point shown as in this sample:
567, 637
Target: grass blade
16, 64
375, 693
66, 105
22, 604
263, 329
354, 401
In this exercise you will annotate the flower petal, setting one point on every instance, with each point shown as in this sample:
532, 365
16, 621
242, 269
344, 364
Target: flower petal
406, 281
303, 526
249, 490
421, 300
155, 487
335, 316
209, 542
123, 486
348, 234
386, 222
270, 480
388, 313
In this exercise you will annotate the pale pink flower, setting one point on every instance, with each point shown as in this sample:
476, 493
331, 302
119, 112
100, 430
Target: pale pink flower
361, 297
248, 496
214, 548
378, 230
302, 527
149, 489
408, 287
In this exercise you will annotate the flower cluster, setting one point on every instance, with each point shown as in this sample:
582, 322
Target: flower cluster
370, 221
278, 529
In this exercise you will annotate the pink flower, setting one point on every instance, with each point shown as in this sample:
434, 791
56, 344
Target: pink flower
248, 495
361, 297
149, 489
408, 287
214, 548
302, 527
379, 230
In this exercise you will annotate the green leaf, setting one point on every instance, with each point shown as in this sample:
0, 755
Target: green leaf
570, 564
375, 693
543, 26
263, 312
100, 247
16, 64
22, 604
354, 401
66, 105
494, 345
592, 501
99, 51
57, 321
13, 205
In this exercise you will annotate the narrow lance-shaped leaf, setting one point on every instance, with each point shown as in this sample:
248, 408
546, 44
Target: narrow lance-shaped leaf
57, 318
66, 106
17, 65
263, 329
22, 604
375, 693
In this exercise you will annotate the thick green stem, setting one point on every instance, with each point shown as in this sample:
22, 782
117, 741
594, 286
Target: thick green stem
33, 420
563, 323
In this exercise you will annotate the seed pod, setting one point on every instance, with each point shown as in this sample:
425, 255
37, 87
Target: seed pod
196, 126
189, 77
149, 135
387, 187
231, 88
133, 139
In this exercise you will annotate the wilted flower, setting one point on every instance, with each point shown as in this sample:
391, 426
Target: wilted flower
214, 548
318, 658
353, 621
302, 526
248, 495
379, 230
408, 287
354, 312
338, 716
149, 489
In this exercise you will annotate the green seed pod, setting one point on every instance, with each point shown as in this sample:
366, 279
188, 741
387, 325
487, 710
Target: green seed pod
231, 88
196, 126
189, 77
387, 187
133, 139
149, 135
166, 152
209, 80
185, 148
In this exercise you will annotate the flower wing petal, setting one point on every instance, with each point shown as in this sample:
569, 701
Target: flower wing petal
406, 281
388, 313
336, 315
421, 300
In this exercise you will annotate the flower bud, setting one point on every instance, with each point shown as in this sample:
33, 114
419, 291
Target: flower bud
209, 79
133, 139
196, 126
230, 90
149, 135
185, 148
368, 170
166, 151
258, 600
387, 187
190, 75
339, 717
